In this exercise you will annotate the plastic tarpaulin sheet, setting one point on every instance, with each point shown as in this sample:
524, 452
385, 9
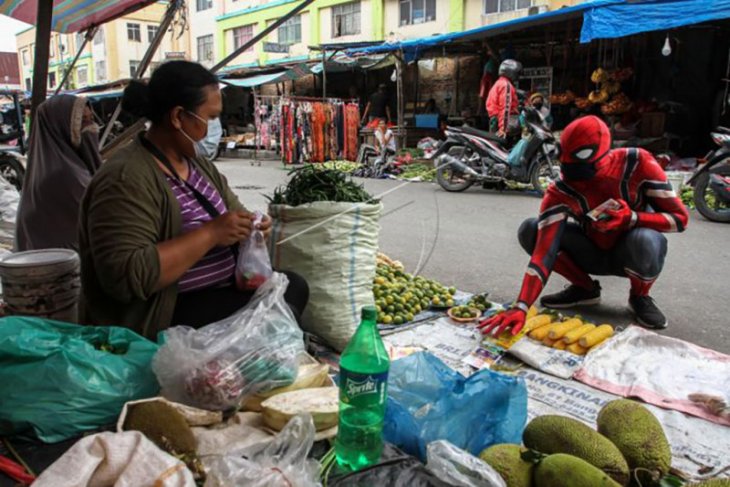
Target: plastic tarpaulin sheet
628, 18
73, 15
296, 72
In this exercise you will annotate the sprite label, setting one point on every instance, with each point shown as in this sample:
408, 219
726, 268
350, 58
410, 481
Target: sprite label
362, 389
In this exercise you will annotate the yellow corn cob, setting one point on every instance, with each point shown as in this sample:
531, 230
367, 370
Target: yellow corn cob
603, 340
531, 313
540, 333
548, 342
576, 349
558, 330
574, 335
560, 344
537, 322
596, 336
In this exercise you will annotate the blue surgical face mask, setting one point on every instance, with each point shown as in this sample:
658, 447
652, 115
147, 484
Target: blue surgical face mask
208, 146
197, 147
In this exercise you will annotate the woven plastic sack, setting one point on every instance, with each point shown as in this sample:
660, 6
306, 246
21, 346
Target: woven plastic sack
333, 246
60, 379
217, 366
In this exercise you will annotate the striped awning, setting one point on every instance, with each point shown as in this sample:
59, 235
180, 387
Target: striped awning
73, 15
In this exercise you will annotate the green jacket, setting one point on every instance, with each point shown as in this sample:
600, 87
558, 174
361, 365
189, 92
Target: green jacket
128, 208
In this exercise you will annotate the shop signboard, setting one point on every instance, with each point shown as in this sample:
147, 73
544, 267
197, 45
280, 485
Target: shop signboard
538, 80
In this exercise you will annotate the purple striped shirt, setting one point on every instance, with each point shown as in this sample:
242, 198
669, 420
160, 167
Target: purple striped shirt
218, 265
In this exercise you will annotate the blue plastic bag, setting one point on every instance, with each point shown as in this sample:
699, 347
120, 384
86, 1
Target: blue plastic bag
517, 153
60, 379
428, 401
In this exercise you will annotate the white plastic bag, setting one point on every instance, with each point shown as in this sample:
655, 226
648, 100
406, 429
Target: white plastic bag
216, 367
460, 468
253, 266
282, 462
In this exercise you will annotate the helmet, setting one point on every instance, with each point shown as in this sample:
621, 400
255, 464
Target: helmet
510, 68
584, 142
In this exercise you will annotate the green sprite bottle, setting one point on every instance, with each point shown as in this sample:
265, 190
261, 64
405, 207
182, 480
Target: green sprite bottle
363, 383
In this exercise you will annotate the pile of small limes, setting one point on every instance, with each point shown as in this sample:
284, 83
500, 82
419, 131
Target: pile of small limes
480, 302
463, 312
399, 296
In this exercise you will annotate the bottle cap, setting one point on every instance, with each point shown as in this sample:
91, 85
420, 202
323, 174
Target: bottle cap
369, 313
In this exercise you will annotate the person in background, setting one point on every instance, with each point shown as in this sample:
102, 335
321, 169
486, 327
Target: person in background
160, 227
431, 108
384, 140
63, 157
502, 103
377, 107
537, 101
605, 216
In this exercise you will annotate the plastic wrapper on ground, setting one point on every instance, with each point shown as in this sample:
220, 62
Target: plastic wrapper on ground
216, 367
283, 462
460, 468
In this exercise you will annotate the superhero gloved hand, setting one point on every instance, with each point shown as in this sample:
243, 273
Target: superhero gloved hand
513, 318
616, 220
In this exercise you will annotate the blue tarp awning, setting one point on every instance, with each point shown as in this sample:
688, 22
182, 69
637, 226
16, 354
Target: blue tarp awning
295, 72
602, 19
633, 17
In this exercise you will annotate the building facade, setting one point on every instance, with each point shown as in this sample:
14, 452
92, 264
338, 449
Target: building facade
113, 54
340, 21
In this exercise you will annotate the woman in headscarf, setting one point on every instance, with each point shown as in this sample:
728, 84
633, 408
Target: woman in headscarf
63, 156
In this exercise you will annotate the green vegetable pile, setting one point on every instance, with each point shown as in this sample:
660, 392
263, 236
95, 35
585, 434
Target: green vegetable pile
425, 172
309, 184
344, 166
687, 194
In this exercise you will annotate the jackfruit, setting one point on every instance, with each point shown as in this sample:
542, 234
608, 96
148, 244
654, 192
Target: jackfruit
506, 459
639, 437
559, 434
323, 403
163, 424
561, 470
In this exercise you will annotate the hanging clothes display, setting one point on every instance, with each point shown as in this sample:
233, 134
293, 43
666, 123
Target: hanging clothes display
308, 129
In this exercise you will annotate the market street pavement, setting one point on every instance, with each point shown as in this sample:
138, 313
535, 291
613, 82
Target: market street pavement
475, 248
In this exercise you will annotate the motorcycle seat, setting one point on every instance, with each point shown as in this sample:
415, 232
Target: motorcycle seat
484, 135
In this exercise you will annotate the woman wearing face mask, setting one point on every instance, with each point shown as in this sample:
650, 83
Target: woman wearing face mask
64, 155
159, 224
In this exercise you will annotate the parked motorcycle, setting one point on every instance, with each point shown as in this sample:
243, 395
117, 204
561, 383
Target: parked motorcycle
12, 157
711, 181
471, 156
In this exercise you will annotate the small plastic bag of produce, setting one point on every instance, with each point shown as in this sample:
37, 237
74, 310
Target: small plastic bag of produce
253, 266
428, 401
281, 462
254, 350
459, 468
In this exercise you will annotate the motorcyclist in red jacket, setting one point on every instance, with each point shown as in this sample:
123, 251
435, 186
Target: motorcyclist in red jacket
502, 102
625, 241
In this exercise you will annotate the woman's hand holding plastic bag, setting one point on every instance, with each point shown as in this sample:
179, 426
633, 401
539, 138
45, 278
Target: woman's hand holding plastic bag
253, 267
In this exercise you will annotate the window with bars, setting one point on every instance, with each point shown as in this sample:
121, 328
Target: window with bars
201, 5
82, 76
152, 32
290, 32
417, 11
79, 40
346, 19
100, 69
134, 32
26, 57
242, 35
99, 37
205, 48
133, 67
499, 6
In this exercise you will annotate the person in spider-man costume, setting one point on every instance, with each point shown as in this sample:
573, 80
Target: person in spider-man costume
626, 241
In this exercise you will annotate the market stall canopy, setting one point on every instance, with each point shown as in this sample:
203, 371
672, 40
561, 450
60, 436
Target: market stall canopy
602, 19
293, 73
73, 15
341, 62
